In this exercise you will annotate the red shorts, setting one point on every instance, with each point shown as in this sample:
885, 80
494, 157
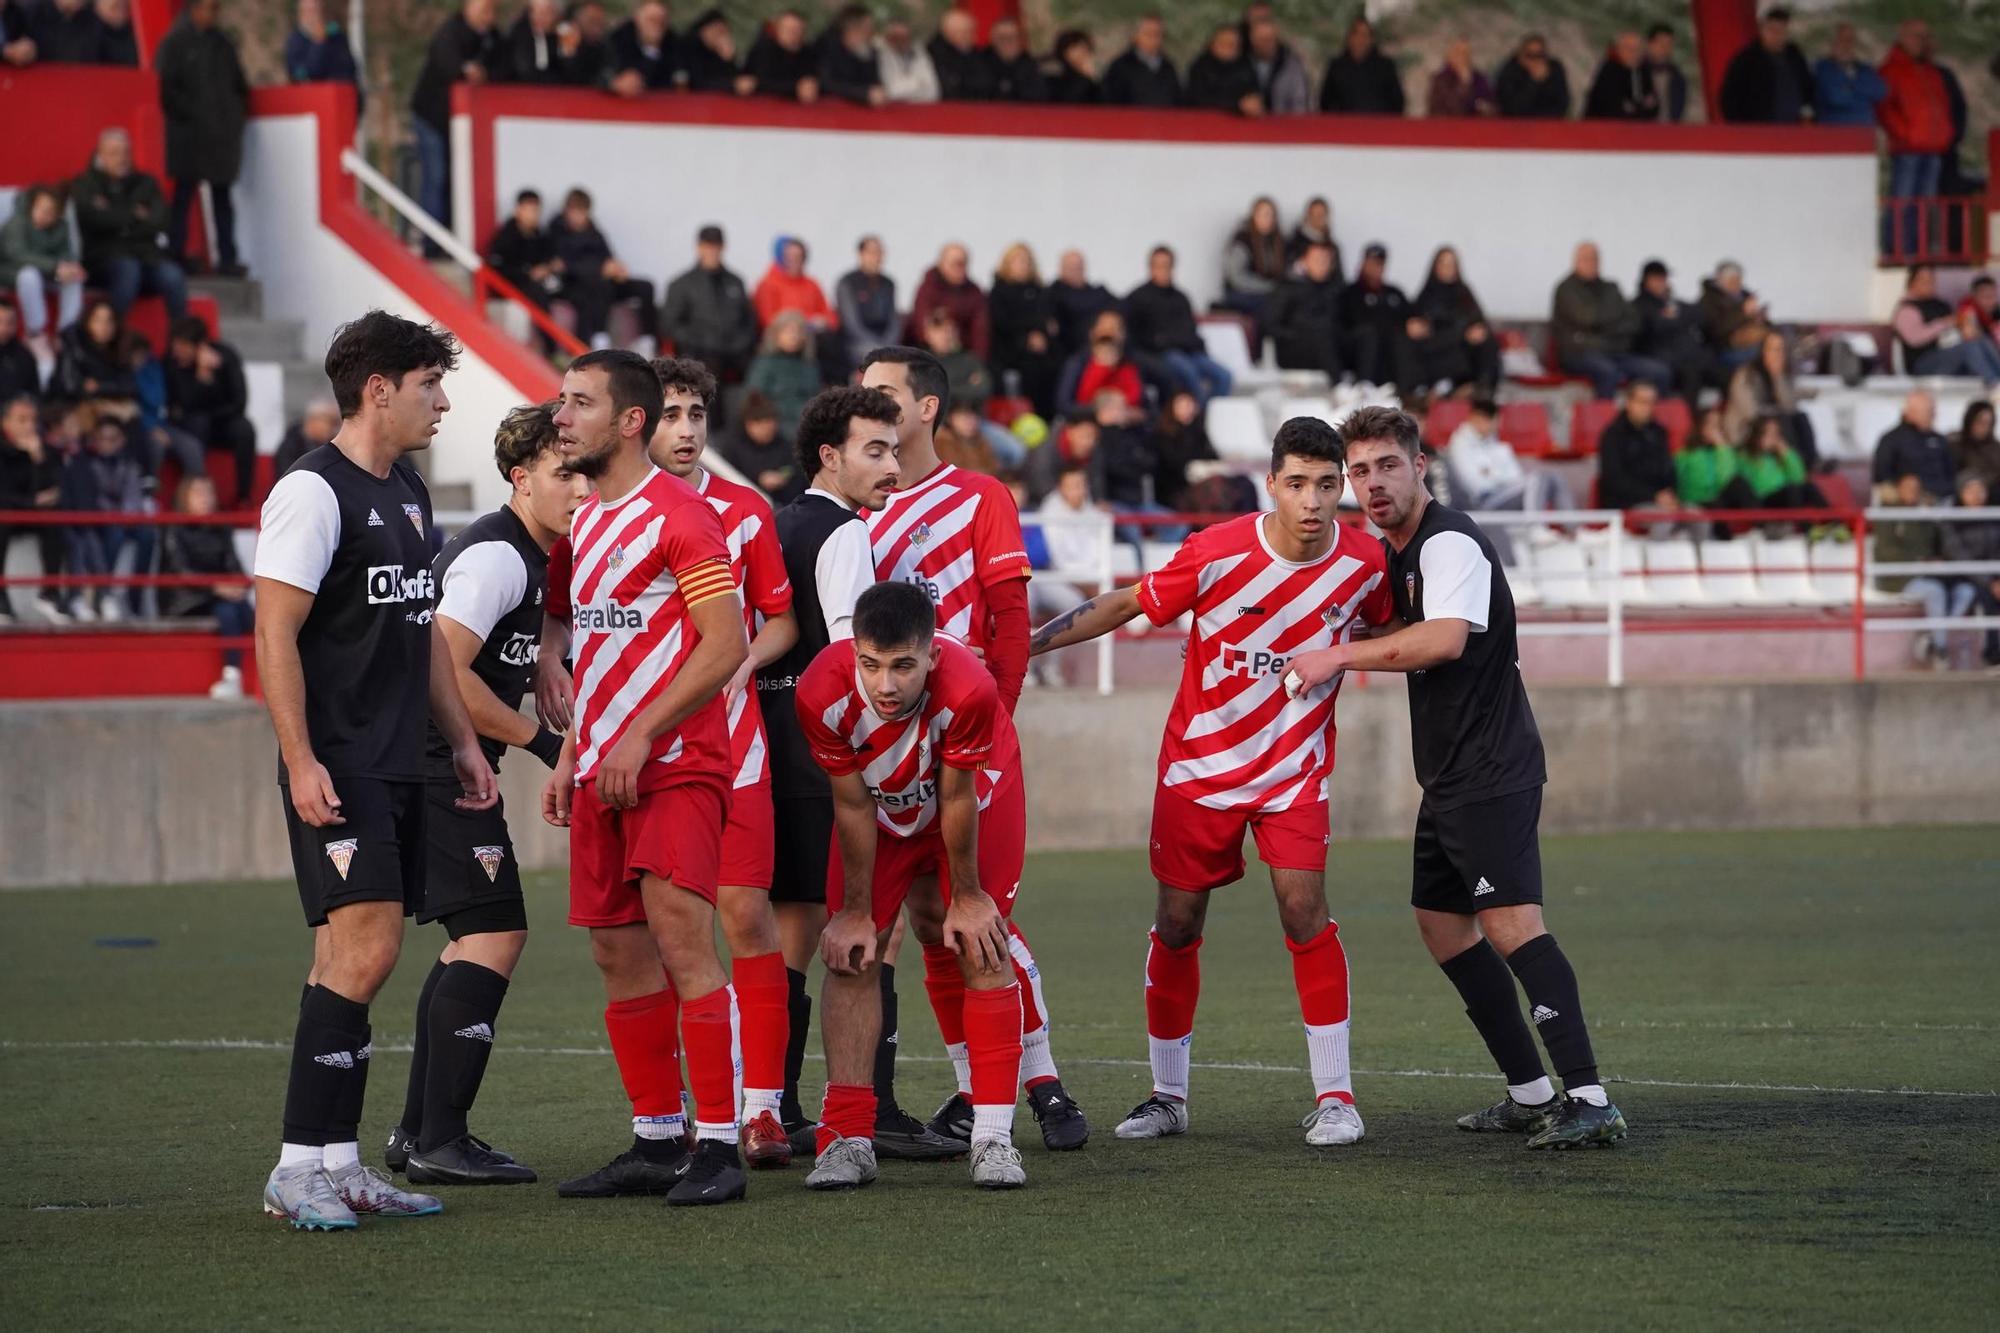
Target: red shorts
1197, 848
749, 845
1003, 842
674, 832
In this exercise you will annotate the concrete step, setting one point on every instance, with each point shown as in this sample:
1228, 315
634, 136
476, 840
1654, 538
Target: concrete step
234, 297
265, 339
304, 381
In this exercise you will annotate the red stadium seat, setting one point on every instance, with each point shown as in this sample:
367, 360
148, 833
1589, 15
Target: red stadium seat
148, 315
1674, 415
1445, 417
1839, 494
1525, 427
1587, 422
222, 471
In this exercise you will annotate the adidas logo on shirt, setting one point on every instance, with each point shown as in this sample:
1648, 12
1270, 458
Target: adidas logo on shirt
1543, 1014
374, 519
1482, 888
478, 1032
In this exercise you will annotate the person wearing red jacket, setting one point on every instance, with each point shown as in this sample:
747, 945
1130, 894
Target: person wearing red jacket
950, 287
787, 286
1916, 115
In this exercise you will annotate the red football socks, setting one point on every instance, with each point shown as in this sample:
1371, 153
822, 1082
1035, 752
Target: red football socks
993, 1042
708, 1028
1319, 971
645, 1043
763, 1001
945, 985
849, 1113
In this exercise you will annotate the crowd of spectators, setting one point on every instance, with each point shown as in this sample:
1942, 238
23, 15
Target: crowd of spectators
67, 32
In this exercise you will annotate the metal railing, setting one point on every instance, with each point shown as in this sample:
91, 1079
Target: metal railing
1933, 229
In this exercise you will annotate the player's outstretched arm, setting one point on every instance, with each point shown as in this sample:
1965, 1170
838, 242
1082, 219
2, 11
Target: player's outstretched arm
847, 943
719, 649
479, 789
281, 610
491, 717
554, 693
1420, 647
973, 927
1082, 623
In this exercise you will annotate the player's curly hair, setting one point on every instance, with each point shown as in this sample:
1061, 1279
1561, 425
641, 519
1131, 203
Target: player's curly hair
828, 417
380, 343
525, 434
684, 374
1380, 423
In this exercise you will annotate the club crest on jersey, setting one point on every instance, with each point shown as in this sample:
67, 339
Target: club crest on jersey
921, 534
1333, 615
415, 513
341, 853
489, 859
1410, 586
616, 560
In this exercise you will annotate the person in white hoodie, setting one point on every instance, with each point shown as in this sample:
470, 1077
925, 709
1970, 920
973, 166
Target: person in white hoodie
907, 72
1486, 473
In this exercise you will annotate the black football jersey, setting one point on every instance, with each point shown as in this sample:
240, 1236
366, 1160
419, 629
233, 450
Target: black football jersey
492, 578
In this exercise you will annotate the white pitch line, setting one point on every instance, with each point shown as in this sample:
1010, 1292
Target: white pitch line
1238, 1067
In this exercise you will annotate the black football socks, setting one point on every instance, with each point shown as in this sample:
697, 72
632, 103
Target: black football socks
885, 1049
412, 1122
799, 1008
1557, 1011
459, 1028
329, 1077
1487, 988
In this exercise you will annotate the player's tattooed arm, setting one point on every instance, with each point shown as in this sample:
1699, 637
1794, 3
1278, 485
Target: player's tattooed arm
1100, 615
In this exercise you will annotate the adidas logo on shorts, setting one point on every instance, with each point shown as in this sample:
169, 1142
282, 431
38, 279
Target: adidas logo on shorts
1543, 1014
478, 1032
1482, 888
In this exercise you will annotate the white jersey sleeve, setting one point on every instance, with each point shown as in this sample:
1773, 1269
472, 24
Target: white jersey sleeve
299, 531
485, 583
845, 569
1458, 579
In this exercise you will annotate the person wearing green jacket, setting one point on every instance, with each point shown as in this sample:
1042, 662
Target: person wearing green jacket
784, 369
36, 252
1773, 470
1708, 472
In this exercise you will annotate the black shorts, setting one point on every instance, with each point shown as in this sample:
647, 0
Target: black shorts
1484, 854
470, 861
803, 827
376, 854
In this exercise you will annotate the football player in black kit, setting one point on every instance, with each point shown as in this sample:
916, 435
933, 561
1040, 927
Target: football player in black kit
490, 580
1478, 866
344, 605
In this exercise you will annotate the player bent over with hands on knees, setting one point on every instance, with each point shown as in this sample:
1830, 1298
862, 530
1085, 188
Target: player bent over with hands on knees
643, 780
1241, 753
928, 798
1477, 876
490, 581
344, 606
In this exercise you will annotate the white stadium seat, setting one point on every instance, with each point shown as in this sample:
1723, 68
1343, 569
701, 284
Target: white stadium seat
1831, 435
1673, 573
1564, 574
1225, 344
1874, 416
1729, 574
1783, 572
1236, 429
1832, 577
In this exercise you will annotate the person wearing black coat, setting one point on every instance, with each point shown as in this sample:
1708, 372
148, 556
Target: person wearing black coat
1024, 329
523, 253
1361, 80
642, 53
1533, 85
65, 34
18, 372
1635, 469
708, 55
965, 69
536, 52
593, 278
1073, 71
1161, 323
1078, 301
1456, 342
1623, 88
31, 478
1143, 75
465, 48
90, 360
1768, 82
1374, 319
1016, 76
1303, 317
780, 62
116, 42
848, 68
316, 51
208, 398
1220, 79
1670, 333
205, 97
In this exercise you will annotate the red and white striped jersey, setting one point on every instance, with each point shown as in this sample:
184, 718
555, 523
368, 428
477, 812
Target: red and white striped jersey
758, 567
959, 722
954, 534
1233, 740
639, 564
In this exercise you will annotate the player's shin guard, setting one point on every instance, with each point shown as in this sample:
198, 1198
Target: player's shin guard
762, 1001
413, 1100
1557, 1010
885, 1045
1319, 972
645, 1042
849, 1113
1038, 1063
1494, 1006
798, 1014
1173, 986
329, 1076
944, 983
708, 1029
462, 1015
993, 1044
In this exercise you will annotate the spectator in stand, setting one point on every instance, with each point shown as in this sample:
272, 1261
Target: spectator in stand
1155, 377
708, 57
1220, 79
146, 413
1073, 546
116, 45
66, 32
965, 72
1303, 319
1670, 86
106, 477
1635, 469
590, 67
641, 53
1072, 75
907, 72
1486, 473
38, 257
1763, 387
1916, 116
1283, 84
208, 398
1002, 446
1846, 88
785, 369
1623, 88
19, 374
316, 49
1457, 89
1733, 320
1912, 447
1253, 263
1974, 450
1126, 460
1913, 541
90, 361
1595, 329
205, 97
1708, 469
465, 49
762, 451
1178, 440
1982, 302
1315, 227
1143, 75
1455, 345
1015, 75
1078, 301
542, 49
1106, 368
1376, 325
1533, 85
31, 478
1024, 328
1977, 540
523, 253
781, 64
202, 548
787, 286
1937, 340
949, 286
1773, 470
847, 65
1952, 177
966, 374
708, 314
1161, 323
17, 48
1361, 80
1670, 333
593, 278
865, 301
317, 425
1767, 82
961, 442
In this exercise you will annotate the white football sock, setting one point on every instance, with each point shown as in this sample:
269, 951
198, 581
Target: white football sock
340, 1156
724, 1133
757, 1100
300, 1154
1590, 1092
1532, 1094
993, 1122
1170, 1064
659, 1126
961, 1063
1036, 1062
1326, 1045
